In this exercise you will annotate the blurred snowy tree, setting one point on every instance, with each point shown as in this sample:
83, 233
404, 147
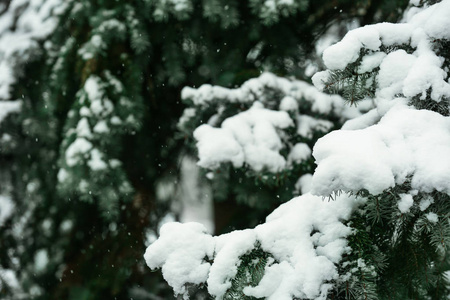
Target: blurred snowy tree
98, 85
254, 142
385, 231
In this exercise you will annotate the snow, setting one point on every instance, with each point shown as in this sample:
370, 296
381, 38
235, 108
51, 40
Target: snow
9, 107
96, 162
288, 104
179, 8
216, 145
434, 20
401, 73
85, 112
83, 128
94, 46
299, 153
320, 78
9, 277
227, 249
102, 107
92, 88
425, 203
405, 203
115, 163
116, 120
188, 113
368, 119
307, 125
406, 143
388, 146
76, 150
370, 62
256, 137
21, 28
63, 175
432, 217
256, 89
303, 264
41, 260
66, 226
270, 11
248, 137
101, 127
303, 184
181, 251
6, 208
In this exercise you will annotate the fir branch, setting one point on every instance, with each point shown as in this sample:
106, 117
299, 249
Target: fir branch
250, 272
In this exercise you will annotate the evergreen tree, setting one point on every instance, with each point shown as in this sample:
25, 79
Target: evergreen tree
98, 83
384, 231
256, 140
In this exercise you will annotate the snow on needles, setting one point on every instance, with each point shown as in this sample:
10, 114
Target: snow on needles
402, 71
257, 136
306, 238
406, 144
256, 89
393, 144
249, 137
20, 29
181, 251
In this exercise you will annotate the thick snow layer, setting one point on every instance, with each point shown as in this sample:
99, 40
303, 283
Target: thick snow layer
255, 137
289, 104
181, 251
303, 184
370, 62
305, 236
249, 137
434, 20
299, 153
257, 89
406, 143
366, 120
409, 74
307, 125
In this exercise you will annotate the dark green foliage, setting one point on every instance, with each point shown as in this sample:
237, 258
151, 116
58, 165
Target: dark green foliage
442, 107
395, 255
351, 85
249, 273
